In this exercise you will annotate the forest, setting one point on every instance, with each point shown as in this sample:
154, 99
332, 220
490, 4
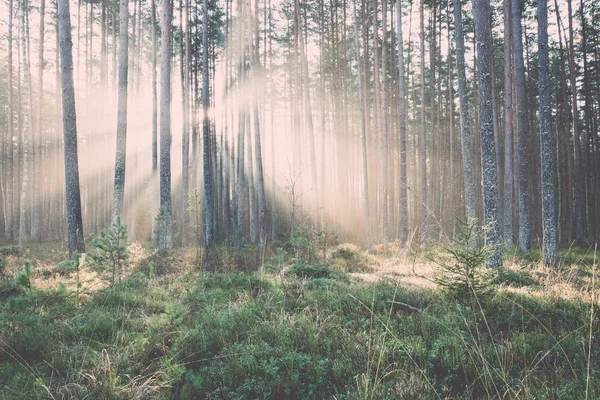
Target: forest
299, 199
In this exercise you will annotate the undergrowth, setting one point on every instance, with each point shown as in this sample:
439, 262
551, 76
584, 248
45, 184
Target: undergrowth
312, 332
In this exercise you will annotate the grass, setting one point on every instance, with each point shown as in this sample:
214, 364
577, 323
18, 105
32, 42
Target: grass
309, 332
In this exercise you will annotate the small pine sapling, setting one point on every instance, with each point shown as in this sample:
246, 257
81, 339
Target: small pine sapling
111, 250
462, 272
23, 278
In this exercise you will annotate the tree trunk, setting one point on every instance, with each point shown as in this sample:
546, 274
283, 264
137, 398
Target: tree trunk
363, 134
209, 215
548, 217
467, 157
121, 150
154, 128
165, 240
25, 126
422, 155
9, 224
524, 196
483, 33
507, 235
73, 197
402, 138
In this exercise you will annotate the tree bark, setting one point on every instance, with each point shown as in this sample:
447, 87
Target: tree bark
548, 217
524, 241
121, 149
73, 196
165, 240
467, 157
507, 233
483, 33
25, 125
209, 215
402, 131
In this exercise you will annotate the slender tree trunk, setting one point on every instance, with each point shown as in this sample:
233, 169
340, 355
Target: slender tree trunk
73, 197
309, 121
549, 217
9, 225
524, 196
25, 126
154, 128
363, 134
485, 51
467, 157
121, 150
402, 138
36, 216
185, 142
422, 155
165, 240
260, 184
578, 181
384, 132
508, 129
209, 215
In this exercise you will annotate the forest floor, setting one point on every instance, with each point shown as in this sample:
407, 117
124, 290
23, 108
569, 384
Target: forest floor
307, 324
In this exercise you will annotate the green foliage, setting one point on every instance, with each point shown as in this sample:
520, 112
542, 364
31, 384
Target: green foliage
67, 266
462, 272
11, 250
3, 265
305, 271
347, 258
240, 335
23, 278
111, 250
514, 278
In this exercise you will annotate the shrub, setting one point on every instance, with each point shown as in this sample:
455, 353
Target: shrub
111, 250
23, 277
65, 267
347, 258
463, 273
11, 250
510, 277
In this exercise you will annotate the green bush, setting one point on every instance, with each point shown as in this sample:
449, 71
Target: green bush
462, 270
304, 271
111, 250
347, 258
11, 250
66, 267
514, 278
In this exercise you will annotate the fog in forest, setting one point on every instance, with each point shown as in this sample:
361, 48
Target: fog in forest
324, 104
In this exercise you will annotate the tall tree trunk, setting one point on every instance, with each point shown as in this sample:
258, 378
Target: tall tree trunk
485, 51
309, 120
422, 155
522, 134
26, 125
154, 128
363, 133
209, 214
578, 181
402, 138
73, 197
260, 184
467, 156
185, 141
508, 129
549, 217
36, 215
9, 225
121, 150
384, 131
165, 240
